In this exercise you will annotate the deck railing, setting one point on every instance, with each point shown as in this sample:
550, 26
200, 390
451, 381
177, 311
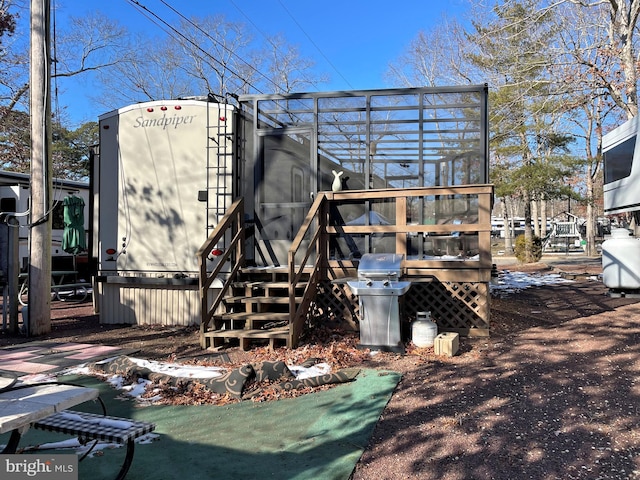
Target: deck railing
459, 216
312, 234
423, 224
435, 228
231, 227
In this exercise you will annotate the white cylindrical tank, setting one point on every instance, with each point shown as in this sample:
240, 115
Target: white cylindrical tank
423, 330
621, 260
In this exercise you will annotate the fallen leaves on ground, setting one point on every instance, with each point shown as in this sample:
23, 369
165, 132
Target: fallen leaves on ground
339, 349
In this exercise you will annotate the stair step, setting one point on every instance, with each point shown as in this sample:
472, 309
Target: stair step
262, 299
264, 270
267, 285
271, 316
245, 336
280, 332
268, 289
257, 272
278, 300
235, 299
275, 284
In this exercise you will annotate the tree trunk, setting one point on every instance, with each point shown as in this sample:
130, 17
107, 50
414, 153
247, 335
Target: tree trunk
543, 218
591, 250
508, 229
528, 231
627, 57
535, 216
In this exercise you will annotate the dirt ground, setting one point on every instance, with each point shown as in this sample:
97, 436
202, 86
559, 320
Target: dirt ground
552, 394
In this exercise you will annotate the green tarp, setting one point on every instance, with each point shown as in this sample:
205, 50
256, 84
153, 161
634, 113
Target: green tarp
316, 436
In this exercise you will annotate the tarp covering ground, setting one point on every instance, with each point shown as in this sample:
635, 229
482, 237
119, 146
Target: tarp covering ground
318, 435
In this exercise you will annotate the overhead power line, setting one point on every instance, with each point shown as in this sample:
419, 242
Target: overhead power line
143, 11
264, 35
231, 52
175, 32
314, 44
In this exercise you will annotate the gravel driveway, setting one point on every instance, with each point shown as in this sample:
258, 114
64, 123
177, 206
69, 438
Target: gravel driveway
553, 394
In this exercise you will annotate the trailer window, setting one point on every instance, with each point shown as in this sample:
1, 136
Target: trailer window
8, 204
618, 160
57, 216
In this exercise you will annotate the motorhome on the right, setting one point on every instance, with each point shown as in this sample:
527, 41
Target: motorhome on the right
621, 153
621, 252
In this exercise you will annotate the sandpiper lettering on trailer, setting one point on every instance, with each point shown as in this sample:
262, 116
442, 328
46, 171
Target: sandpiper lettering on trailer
164, 121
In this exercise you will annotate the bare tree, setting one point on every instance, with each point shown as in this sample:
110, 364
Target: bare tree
14, 57
89, 44
7, 20
212, 55
288, 71
436, 57
620, 22
209, 55
588, 70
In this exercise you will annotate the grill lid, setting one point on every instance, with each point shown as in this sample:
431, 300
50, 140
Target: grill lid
380, 265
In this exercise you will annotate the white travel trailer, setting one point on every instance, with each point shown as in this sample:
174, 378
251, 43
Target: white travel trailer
164, 164
15, 194
162, 179
621, 153
166, 172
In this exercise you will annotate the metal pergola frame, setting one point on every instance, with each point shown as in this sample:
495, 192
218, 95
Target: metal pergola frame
409, 137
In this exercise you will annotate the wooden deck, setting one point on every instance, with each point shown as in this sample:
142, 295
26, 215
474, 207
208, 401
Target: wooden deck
447, 257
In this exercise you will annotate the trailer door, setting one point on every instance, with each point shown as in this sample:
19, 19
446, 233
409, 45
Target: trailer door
285, 181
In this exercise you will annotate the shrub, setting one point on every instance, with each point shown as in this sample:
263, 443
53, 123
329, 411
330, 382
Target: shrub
528, 253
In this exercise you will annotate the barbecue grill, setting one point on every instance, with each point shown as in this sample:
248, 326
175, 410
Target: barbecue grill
378, 287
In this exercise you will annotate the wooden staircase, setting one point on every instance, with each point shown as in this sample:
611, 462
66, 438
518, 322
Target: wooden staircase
255, 310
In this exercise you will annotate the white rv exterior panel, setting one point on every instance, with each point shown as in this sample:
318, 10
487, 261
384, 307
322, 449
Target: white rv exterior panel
137, 304
622, 172
154, 160
16, 186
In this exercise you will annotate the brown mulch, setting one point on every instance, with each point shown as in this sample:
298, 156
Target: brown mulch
554, 393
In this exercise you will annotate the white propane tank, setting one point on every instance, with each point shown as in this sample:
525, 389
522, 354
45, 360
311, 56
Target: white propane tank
621, 260
423, 330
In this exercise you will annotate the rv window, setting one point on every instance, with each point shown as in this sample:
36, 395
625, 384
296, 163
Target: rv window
618, 160
8, 204
57, 216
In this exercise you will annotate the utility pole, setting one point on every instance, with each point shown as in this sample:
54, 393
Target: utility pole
39, 311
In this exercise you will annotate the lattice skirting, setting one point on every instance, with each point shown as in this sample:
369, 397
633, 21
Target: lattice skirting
455, 307
335, 303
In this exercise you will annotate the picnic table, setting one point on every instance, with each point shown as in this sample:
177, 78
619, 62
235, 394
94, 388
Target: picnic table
62, 282
22, 406
43, 406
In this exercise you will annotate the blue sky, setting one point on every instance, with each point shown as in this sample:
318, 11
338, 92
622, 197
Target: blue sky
351, 41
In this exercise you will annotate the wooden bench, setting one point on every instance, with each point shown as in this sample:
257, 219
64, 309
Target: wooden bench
89, 426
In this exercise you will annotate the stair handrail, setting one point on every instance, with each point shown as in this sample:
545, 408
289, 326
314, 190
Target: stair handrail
317, 215
233, 222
